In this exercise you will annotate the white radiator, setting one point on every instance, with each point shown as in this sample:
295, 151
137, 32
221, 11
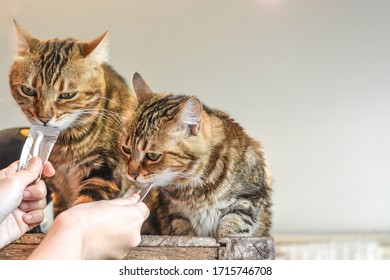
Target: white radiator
333, 250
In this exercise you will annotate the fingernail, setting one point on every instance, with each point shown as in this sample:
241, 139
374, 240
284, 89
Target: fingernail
28, 217
23, 206
26, 194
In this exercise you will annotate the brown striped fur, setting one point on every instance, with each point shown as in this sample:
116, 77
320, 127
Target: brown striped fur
69, 86
210, 177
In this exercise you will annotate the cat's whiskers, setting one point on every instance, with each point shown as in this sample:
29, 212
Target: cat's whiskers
104, 113
97, 112
107, 99
115, 115
193, 181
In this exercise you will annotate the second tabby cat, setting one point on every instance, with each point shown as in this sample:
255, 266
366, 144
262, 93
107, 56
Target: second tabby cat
210, 177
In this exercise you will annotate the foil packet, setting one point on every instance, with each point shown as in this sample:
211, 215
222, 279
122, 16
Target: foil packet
138, 188
39, 143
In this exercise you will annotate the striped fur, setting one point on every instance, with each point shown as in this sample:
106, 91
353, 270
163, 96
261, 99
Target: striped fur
211, 178
86, 158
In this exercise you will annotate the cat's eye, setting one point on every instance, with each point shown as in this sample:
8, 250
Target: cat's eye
126, 150
153, 156
67, 95
28, 91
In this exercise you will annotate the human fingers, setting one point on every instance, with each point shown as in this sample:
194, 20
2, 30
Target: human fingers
142, 209
35, 192
34, 217
27, 206
30, 172
133, 199
139, 213
11, 169
48, 170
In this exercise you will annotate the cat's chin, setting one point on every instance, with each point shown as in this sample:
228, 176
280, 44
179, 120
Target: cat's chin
59, 125
60, 128
47, 125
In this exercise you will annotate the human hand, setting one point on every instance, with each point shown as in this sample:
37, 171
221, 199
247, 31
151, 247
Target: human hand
16, 191
105, 229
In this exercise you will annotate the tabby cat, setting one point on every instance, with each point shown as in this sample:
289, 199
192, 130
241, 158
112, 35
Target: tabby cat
67, 84
210, 177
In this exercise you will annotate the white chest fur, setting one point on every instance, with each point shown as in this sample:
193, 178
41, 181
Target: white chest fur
205, 218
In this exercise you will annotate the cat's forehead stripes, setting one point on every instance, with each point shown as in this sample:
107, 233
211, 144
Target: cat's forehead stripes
54, 56
155, 113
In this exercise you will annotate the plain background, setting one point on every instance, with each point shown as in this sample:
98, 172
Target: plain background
309, 79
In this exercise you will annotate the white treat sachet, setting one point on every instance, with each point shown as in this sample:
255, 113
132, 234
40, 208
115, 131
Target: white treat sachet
39, 143
142, 189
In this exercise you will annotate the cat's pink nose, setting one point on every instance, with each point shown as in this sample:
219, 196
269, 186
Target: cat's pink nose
134, 175
44, 120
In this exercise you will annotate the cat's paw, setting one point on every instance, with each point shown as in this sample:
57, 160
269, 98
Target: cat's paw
181, 227
234, 225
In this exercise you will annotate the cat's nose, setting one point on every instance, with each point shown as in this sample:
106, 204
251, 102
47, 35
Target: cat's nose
44, 120
135, 175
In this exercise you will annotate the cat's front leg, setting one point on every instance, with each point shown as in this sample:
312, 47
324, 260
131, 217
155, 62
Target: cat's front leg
181, 226
233, 225
94, 189
240, 222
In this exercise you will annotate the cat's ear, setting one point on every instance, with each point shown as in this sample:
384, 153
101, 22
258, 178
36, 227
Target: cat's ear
24, 41
141, 88
190, 116
97, 50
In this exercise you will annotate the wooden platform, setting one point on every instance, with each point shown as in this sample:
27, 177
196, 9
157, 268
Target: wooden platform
155, 247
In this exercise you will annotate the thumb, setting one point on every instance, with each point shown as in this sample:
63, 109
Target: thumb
143, 209
31, 171
131, 200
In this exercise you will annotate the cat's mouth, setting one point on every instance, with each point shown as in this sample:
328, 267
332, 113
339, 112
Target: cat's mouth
59, 127
140, 181
161, 179
63, 122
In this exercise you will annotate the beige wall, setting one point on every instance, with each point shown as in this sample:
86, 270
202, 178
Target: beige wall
310, 79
